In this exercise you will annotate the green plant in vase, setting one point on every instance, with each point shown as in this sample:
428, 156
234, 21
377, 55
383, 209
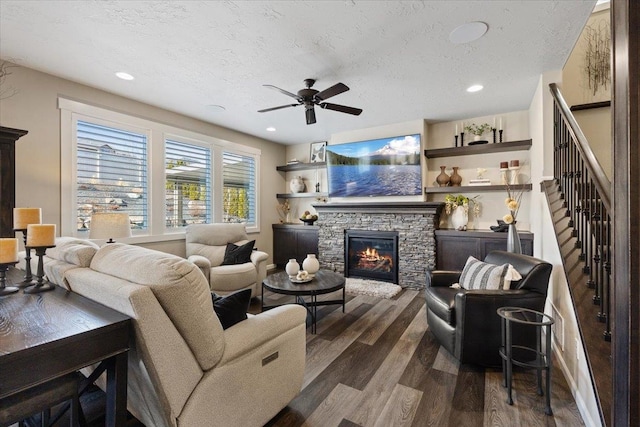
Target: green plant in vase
477, 130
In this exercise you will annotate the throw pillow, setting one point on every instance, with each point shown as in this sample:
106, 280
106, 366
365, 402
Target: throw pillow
512, 276
232, 308
480, 275
235, 254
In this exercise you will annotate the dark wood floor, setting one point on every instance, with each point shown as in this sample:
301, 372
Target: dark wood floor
378, 365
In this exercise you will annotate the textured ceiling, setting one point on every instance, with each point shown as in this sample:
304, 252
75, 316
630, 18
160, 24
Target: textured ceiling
395, 56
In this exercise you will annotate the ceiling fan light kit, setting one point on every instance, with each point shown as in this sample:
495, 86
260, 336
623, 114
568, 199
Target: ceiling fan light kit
311, 97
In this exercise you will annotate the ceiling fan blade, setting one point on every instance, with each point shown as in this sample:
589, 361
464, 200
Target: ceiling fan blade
311, 115
277, 108
332, 91
293, 95
341, 108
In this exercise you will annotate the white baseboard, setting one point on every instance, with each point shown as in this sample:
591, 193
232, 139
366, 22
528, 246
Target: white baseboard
580, 403
271, 267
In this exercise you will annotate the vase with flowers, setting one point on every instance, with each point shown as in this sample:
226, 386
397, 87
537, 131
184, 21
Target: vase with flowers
477, 131
514, 197
284, 211
457, 205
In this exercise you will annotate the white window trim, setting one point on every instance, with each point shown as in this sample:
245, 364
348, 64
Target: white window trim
72, 110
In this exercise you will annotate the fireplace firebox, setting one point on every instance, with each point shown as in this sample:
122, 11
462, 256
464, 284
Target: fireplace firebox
371, 254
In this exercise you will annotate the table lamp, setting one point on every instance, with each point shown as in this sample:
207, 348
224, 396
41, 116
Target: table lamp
107, 225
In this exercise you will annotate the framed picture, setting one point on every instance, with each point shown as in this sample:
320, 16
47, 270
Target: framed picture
318, 152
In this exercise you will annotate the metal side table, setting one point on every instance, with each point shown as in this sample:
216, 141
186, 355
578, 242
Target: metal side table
540, 358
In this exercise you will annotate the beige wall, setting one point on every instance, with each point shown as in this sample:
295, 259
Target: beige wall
595, 123
38, 174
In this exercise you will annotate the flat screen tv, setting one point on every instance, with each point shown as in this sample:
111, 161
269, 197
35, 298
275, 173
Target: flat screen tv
377, 167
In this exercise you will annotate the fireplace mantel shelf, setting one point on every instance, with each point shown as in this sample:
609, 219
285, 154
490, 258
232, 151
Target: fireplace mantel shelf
433, 208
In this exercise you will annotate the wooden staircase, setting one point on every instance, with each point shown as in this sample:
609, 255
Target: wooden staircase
579, 201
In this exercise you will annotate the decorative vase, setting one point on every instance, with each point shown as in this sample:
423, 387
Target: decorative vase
459, 218
292, 267
443, 178
477, 137
455, 179
513, 240
311, 264
297, 184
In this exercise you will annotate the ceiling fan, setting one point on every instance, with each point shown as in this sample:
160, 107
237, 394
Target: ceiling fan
311, 97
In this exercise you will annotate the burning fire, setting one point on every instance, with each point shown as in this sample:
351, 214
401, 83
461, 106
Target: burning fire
370, 254
372, 260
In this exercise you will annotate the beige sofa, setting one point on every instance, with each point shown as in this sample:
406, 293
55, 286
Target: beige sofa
184, 369
206, 245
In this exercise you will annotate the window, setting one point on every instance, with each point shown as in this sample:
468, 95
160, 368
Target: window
111, 173
239, 187
188, 184
164, 177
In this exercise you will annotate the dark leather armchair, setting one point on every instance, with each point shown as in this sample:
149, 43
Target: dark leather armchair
465, 322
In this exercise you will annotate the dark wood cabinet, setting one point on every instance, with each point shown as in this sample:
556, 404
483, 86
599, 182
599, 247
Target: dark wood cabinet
294, 241
8, 138
454, 247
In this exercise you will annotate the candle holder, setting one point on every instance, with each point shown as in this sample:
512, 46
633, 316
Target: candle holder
494, 134
461, 139
500, 131
41, 285
28, 276
4, 289
456, 140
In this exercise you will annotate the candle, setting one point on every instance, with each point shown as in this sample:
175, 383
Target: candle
494, 122
515, 163
504, 165
462, 124
8, 251
25, 216
456, 129
41, 235
500, 123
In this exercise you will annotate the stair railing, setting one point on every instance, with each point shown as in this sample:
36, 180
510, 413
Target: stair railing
586, 191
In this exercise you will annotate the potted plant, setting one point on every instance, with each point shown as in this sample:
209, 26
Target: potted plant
477, 130
457, 205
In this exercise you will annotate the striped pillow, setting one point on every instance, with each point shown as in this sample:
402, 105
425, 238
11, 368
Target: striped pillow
480, 275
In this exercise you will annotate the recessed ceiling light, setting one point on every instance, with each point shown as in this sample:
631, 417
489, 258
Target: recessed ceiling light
215, 108
475, 88
124, 76
271, 129
468, 32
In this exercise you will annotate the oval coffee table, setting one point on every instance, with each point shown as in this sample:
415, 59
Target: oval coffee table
324, 282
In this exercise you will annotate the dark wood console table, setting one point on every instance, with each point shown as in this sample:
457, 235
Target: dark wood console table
453, 247
48, 335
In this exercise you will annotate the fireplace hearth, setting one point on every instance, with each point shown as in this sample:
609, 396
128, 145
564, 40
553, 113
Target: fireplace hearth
371, 254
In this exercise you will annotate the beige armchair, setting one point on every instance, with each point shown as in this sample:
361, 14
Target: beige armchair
184, 369
206, 245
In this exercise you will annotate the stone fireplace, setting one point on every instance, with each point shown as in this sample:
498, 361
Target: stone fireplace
414, 222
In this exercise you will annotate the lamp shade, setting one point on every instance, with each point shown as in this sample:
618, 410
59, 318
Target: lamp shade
107, 225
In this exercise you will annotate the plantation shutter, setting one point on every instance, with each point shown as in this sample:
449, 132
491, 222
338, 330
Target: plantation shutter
111, 173
239, 181
188, 184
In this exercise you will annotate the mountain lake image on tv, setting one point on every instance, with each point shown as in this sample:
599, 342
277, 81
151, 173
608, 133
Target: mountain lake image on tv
377, 167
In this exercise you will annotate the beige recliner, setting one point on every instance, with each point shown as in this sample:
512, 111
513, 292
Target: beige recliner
206, 245
184, 369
